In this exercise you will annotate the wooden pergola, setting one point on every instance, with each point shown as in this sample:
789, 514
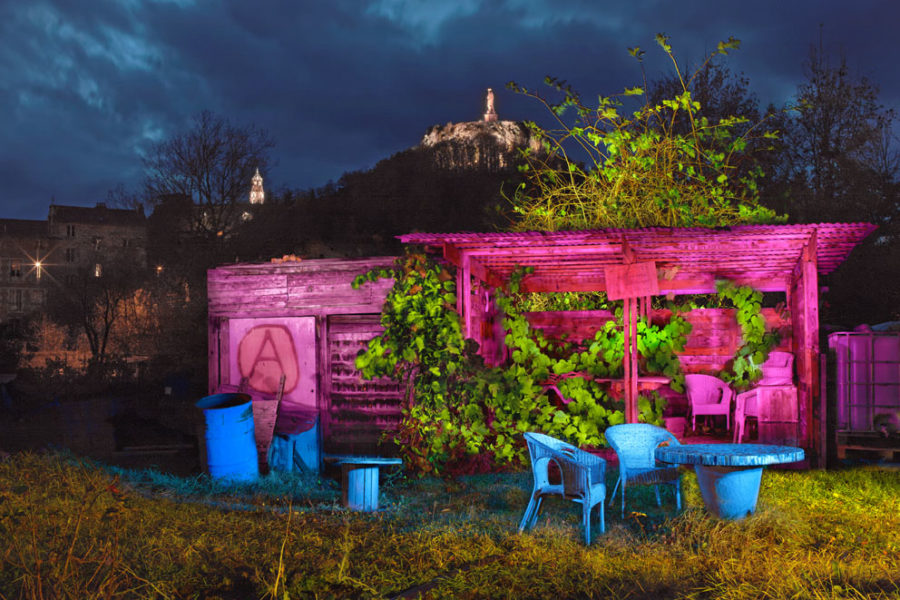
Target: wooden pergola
769, 258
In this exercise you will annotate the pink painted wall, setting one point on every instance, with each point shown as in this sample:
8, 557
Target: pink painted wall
268, 347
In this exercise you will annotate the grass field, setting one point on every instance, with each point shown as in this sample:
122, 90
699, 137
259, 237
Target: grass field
71, 529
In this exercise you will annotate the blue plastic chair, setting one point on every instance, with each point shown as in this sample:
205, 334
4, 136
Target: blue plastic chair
635, 445
582, 474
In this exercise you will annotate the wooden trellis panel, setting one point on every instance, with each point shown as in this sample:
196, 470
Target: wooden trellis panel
357, 411
714, 339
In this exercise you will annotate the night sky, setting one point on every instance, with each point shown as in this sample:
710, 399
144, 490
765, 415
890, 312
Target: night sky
86, 86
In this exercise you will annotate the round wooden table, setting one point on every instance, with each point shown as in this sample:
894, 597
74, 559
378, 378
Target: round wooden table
729, 474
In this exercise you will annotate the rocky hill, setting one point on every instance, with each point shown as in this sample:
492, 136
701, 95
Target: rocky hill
489, 145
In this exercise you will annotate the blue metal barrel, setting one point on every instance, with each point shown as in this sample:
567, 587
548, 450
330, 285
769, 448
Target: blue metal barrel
230, 443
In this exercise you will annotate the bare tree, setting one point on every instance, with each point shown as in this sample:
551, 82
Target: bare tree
122, 197
212, 164
96, 302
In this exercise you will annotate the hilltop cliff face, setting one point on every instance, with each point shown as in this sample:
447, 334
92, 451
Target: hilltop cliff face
489, 145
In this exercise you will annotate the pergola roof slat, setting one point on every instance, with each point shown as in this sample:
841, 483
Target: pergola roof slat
765, 252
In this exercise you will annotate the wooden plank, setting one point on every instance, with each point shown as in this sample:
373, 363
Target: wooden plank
218, 353
331, 293
732, 252
778, 403
250, 311
712, 343
632, 280
782, 434
273, 287
464, 303
586, 281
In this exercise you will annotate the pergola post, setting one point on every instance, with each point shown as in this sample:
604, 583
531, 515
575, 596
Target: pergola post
629, 360
464, 294
805, 316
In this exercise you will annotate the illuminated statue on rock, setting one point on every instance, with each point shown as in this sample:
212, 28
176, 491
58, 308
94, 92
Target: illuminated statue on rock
490, 114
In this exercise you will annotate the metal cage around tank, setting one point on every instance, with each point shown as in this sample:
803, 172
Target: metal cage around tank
867, 391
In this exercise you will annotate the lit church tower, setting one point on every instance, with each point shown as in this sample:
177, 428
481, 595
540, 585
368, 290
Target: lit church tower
257, 194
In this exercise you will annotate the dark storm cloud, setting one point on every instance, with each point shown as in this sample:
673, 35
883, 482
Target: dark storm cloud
86, 88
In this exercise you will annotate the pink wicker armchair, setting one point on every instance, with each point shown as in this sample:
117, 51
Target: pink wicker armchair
708, 396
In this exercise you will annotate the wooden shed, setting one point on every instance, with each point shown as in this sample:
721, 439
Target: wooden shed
304, 320
638, 263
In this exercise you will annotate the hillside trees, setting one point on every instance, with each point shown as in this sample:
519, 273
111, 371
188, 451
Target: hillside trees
416, 190
838, 164
360, 214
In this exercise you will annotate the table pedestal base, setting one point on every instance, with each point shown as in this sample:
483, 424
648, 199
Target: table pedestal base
729, 492
360, 487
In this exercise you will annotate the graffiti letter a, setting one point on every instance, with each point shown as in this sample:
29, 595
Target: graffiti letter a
264, 354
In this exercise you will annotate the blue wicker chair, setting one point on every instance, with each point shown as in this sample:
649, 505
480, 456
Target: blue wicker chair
583, 478
635, 445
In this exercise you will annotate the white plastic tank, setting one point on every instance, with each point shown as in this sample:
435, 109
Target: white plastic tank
867, 378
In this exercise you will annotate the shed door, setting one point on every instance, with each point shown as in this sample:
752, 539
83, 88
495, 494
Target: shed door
264, 349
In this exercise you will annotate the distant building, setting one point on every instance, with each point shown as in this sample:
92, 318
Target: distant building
257, 193
39, 256
85, 238
24, 246
215, 218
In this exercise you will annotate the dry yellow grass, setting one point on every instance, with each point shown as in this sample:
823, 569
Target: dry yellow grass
73, 530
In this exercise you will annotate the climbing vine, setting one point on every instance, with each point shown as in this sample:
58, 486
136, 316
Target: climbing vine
458, 414
756, 341
626, 161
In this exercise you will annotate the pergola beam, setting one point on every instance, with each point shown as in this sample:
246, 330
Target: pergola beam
596, 282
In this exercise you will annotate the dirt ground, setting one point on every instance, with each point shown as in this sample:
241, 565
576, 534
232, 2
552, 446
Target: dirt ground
132, 432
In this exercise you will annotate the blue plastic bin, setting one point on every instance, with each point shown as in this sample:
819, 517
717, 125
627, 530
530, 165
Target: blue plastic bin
295, 445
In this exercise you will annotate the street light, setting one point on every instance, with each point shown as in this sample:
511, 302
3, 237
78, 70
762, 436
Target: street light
37, 269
